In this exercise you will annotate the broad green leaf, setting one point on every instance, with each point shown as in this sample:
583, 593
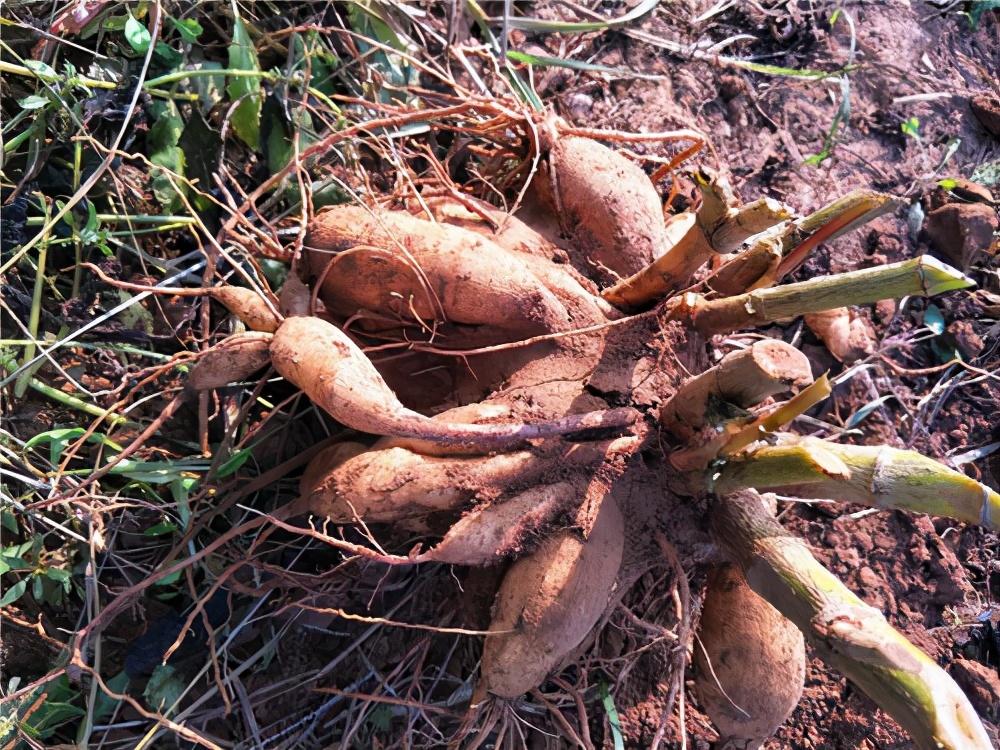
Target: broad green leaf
14, 593
42, 69
168, 54
933, 319
188, 28
61, 576
210, 88
33, 101
8, 521
11, 562
137, 35
164, 688
164, 152
243, 56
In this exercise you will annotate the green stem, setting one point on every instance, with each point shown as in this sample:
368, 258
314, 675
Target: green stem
67, 400
37, 221
34, 316
846, 633
877, 476
924, 276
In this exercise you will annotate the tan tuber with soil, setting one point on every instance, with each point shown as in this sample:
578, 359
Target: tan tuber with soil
523, 397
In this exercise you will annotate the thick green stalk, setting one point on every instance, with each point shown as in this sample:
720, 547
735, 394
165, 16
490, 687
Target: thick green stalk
877, 476
924, 276
846, 633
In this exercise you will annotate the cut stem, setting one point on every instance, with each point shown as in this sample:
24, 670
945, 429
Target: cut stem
924, 276
772, 257
846, 633
743, 378
688, 251
719, 226
876, 476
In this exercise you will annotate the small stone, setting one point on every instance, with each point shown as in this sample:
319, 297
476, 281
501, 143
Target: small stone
981, 684
986, 108
962, 230
969, 343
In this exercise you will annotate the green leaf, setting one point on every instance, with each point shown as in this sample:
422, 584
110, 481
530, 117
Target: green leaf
61, 576
33, 101
8, 521
188, 28
164, 688
233, 464
246, 117
137, 35
14, 562
613, 719
169, 580
105, 704
168, 54
60, 438
14, 593
165, 527
42, 69
911, 127
862, 414
38, 589
948, 183
164, 152
933, 319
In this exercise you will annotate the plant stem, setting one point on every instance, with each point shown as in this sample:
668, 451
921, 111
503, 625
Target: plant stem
687, 251
877, 476
790, 246
847, 634
924, 276
743, 378
66, 399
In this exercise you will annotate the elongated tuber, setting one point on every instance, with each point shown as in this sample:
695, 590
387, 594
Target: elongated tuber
330, 368
607, 205
390, 261
750, 664
548, 602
